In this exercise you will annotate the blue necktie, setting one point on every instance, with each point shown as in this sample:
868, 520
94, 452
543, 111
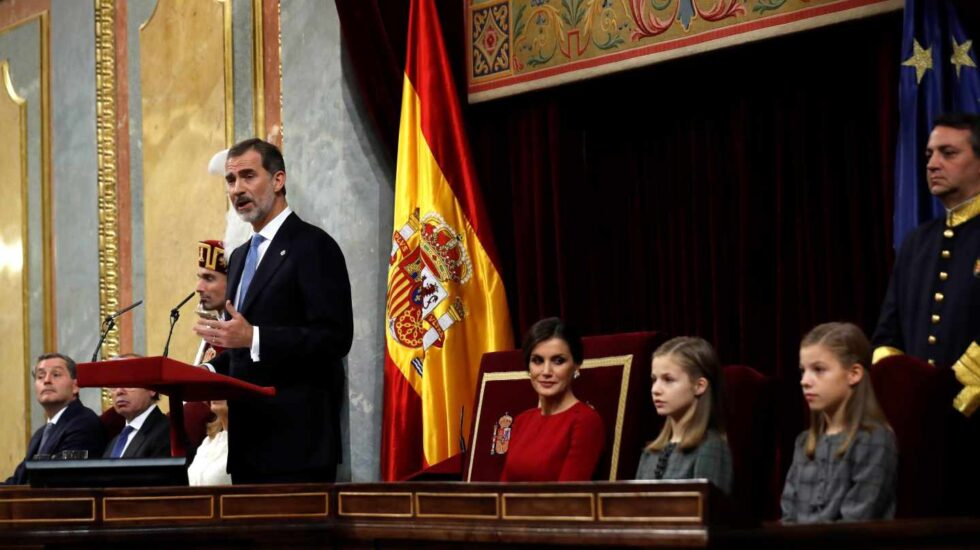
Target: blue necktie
251, 262
117, 449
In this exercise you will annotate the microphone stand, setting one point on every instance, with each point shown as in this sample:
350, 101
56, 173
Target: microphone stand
174, 316
462, 440
108, 324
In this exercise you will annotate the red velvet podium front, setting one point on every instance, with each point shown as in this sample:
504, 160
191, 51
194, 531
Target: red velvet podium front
180, 381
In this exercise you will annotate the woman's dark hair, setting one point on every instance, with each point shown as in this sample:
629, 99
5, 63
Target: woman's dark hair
549, 328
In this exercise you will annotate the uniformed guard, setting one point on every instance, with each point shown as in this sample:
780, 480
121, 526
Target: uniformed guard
932, 307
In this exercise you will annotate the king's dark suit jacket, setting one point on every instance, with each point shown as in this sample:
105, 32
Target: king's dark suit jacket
78, 429
300, 300
152, 440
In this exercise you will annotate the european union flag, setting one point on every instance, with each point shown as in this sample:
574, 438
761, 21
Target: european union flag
939, 75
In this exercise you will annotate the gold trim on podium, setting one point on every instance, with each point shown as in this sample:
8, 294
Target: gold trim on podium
108, 500
656, 495
542, 517
356, 494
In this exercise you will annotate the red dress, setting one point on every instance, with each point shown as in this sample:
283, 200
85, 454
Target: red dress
559, 447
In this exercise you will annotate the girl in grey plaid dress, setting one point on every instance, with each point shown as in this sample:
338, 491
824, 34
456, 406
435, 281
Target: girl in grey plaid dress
687, 389
844, 467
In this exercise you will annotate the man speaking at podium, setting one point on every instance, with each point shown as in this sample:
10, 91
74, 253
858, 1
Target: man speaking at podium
289, 325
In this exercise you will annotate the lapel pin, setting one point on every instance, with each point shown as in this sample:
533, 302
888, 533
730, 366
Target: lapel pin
282, 252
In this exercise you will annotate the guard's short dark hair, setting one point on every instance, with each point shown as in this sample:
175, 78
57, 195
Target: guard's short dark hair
69, 363
549, 328
963, 121
272, 159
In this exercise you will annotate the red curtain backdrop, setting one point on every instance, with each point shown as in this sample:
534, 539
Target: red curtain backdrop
743, 195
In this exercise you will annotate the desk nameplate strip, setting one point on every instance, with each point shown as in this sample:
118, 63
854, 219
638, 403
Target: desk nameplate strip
658, 507
457, 505
192, 507
287, 505
548, 506
375, 505
46, 510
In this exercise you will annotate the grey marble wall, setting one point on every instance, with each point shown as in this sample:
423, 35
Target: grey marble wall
339, 181
74, 171
243, 73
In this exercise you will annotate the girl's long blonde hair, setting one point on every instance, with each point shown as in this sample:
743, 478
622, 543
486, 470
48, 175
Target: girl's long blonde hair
850, 346
698, 359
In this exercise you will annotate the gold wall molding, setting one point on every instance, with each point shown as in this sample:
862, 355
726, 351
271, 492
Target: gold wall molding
25, 179
106, 118
14, 280
258, 70
229, 74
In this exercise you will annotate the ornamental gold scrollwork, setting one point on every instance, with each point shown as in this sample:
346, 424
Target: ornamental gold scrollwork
105, 98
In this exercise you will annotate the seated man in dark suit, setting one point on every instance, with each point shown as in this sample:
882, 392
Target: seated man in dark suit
70, 426
147, 431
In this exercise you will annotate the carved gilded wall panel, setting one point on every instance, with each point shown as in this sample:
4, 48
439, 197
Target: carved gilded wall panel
187, 115
14, 316
25, 319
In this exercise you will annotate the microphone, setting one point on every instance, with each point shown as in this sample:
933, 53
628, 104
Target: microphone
174, 311
174, 315
119, 313
109, 324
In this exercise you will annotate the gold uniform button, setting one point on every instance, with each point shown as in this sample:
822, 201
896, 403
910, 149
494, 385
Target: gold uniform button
932, 362
935, 319
943, 275
938, 297
932, 339
945, 254
948, 233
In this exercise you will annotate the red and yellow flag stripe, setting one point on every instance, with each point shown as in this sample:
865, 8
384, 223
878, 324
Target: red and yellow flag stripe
446, 303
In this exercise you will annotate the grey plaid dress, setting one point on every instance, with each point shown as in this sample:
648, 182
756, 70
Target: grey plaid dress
711, 460
857, 486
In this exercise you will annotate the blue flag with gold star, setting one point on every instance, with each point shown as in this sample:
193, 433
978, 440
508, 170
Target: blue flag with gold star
938, 75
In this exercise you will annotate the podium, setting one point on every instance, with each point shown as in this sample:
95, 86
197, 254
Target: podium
180, 381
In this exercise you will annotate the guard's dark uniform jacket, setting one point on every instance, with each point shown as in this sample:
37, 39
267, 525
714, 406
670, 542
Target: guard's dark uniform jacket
932, 308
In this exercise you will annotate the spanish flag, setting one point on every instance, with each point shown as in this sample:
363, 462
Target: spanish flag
446, 305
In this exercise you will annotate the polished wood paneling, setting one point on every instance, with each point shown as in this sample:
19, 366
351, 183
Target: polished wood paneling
29, 510
275, 506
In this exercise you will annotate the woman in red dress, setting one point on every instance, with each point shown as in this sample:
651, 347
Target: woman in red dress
562, 438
